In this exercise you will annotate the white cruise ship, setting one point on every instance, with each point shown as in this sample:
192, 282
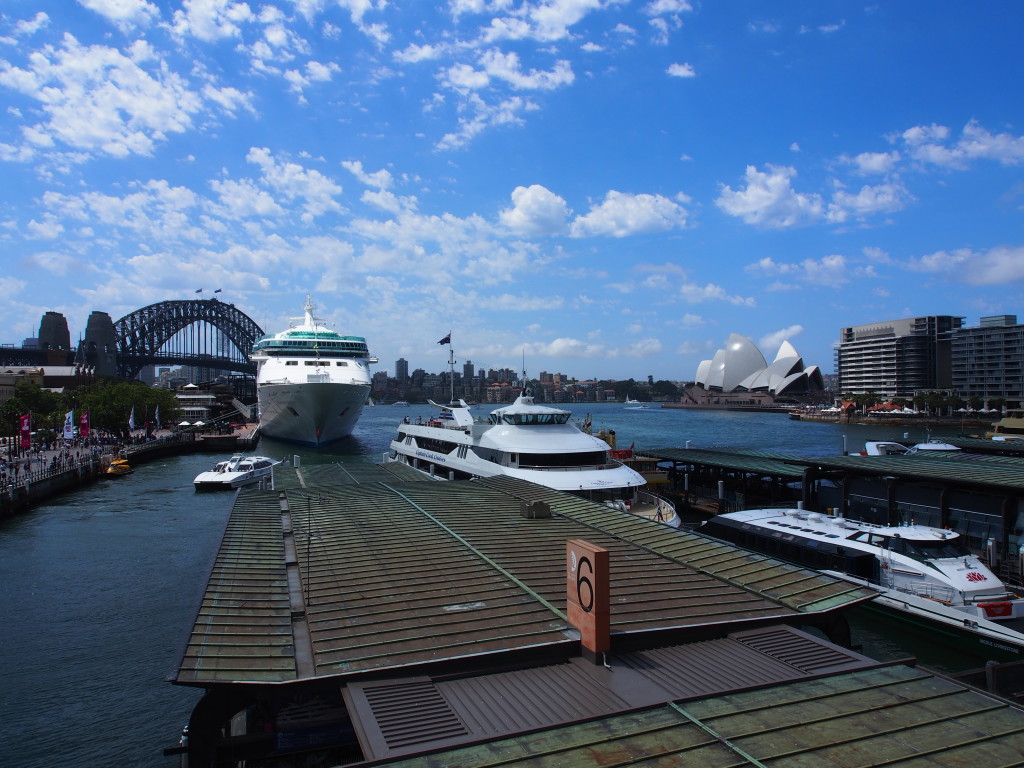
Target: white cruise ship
312, 382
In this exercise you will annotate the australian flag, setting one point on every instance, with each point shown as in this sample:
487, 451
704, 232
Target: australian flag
447, 339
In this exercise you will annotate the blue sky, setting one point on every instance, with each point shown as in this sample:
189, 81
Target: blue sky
608, 187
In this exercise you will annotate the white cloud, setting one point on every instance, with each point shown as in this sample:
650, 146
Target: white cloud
506, 67
536, 211
125, 14
877, 255
622, 214
869, 163
659, 7
47, 229
681, 70
97, 99
773, 341
831, 271
546, 21
230, 99
663, 26
211, 20
154, 211
568, 347
315, 72
56, 263
997, 266
697, 294
243, 199
294, 182
26, 28
381, 179
414, 53
769, 200
883, 198
930, 145
483, 116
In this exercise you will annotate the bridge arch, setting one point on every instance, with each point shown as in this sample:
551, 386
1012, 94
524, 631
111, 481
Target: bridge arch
205, 333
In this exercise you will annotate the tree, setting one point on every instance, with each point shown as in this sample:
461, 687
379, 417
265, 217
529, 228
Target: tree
47, 407
665, 389
110, 403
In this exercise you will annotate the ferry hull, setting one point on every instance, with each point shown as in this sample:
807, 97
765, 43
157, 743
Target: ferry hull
313, 414
996, 644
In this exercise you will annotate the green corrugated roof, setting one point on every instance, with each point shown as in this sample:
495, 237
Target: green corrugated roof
755, 462
337, 577
991, 471
886, 716
997, 473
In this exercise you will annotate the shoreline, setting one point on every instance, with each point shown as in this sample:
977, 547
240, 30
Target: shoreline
34, 487
985, 423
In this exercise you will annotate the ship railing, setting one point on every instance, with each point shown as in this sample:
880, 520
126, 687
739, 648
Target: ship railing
571, 467
664, 509
930, 591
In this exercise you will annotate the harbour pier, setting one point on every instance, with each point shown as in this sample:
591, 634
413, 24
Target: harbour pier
363, 614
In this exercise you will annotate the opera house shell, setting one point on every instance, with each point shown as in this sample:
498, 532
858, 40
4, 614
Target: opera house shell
740, 367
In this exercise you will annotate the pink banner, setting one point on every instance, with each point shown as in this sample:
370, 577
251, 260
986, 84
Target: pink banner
25, 429
83, 424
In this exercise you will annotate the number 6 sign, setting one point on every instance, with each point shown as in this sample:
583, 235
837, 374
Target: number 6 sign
587, 594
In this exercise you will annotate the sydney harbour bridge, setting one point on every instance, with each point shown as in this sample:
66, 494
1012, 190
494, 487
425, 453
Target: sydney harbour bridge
203, 333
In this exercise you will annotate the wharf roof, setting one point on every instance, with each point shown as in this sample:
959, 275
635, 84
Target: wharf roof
894, 715
349, 570
988, 471
751, 461
438, 611
977, 471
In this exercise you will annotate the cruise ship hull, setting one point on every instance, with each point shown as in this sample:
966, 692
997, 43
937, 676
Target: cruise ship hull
314, 414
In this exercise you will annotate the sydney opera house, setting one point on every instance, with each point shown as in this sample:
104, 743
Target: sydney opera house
740, 368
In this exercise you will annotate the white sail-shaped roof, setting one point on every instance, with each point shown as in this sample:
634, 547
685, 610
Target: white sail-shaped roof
740, 366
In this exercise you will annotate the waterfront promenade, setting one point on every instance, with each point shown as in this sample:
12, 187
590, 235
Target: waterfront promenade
35, 475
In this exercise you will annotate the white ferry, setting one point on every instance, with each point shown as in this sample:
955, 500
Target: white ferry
527, 441
312, 383
925, 574
236, 472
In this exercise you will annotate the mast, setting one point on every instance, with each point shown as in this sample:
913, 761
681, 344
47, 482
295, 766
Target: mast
451, 375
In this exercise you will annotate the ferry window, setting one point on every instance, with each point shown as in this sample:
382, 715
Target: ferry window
934, 549
340, 362
312, 362
535, 419
291, 362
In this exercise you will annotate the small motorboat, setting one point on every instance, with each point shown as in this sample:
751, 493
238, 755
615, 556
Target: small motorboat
119, 467
236, 472
890, 448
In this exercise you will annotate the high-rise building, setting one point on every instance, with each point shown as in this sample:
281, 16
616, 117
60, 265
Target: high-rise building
988, 361
401, 369
897, 358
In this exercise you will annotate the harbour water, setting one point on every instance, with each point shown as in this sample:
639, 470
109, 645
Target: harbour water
99, 588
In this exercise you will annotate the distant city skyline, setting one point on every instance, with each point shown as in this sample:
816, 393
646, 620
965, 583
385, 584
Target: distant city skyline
605, 188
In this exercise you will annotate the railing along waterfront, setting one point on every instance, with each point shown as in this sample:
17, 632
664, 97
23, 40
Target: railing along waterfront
40, 474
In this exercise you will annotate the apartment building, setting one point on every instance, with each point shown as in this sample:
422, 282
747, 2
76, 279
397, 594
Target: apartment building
897, 358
